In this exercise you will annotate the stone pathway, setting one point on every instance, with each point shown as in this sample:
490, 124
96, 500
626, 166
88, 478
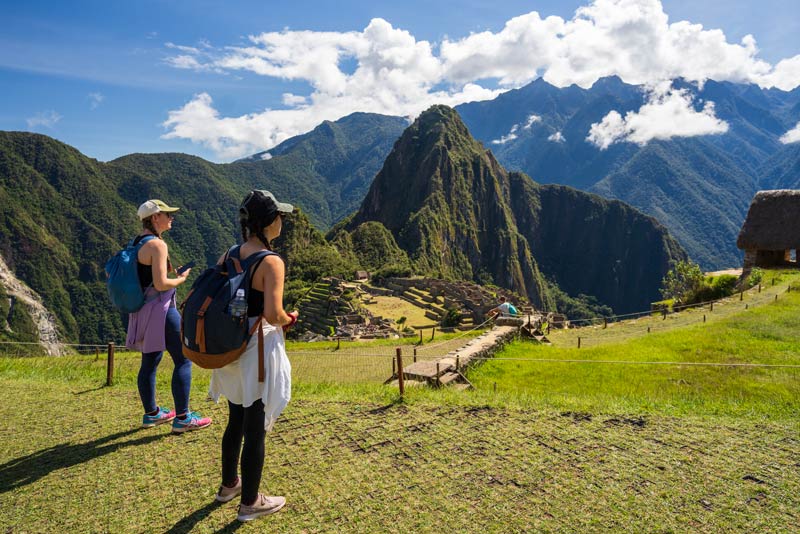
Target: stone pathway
447, 370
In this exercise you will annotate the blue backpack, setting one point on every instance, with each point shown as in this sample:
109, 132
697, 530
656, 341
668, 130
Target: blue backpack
212, 337
124, 288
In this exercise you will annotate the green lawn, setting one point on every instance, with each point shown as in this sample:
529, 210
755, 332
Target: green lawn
624, 369
538, 446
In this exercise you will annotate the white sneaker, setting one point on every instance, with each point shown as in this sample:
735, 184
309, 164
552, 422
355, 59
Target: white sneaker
263, 506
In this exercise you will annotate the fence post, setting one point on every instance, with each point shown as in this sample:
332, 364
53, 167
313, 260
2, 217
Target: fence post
415, 354
579, 341
704, 317
741, 295
400, 370
605, 322
663, 315
96, 353
420, 336
759, 287
458, 362
746, 306
433, 332
438, 382
776, 298
712, 306
648, 329
110, 365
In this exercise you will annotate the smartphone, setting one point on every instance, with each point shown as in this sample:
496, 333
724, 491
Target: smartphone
184, 267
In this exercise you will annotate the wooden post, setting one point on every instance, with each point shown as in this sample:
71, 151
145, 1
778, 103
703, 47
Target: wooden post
433, 332
759, 287
110, 365
415, 354
420, 336
741, 295
438, 382
746, 306
495, 387
704, 317
400, 370
605, 322
776, 298
712, 306
458, 361
664, 315
394, 367
96, 353
648, 329
579, 341
773, 280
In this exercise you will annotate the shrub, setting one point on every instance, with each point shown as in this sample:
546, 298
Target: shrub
756, 275
682, 282
452, 317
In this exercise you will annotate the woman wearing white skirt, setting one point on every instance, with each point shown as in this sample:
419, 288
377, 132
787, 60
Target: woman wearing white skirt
254, 406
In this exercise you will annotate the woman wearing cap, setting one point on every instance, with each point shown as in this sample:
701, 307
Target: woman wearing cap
254, 406
157, 325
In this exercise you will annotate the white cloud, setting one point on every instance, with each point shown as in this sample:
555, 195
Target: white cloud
293, 100
266, 155
510, 136
46, 119
668, 113
792, 136
95, 99
557, 137
396, 74
532, 119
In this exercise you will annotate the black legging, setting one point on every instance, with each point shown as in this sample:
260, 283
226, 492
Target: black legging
247, 423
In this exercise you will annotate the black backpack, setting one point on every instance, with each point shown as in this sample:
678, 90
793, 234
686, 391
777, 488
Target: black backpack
212, 337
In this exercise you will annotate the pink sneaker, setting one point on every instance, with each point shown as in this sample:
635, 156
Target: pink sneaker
263, 506
193, 421
226, 494
164, 415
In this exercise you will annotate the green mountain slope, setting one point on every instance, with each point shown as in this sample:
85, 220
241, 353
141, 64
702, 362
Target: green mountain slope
458, 214
698, 187
62, 215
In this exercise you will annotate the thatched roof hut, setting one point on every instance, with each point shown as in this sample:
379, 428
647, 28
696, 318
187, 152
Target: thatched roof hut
772, 228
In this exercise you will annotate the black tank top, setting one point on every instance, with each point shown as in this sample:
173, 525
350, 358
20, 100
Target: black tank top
255, 302
145, 272
255, 298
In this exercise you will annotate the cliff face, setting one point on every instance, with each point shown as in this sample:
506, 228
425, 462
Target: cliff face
445, 199
458, 214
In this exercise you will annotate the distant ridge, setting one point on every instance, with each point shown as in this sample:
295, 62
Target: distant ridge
698, 187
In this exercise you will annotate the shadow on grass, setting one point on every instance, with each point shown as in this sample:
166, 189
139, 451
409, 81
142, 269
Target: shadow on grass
28, 469
188, 523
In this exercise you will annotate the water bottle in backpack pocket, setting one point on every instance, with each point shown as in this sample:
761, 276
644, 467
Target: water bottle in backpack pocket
214, 326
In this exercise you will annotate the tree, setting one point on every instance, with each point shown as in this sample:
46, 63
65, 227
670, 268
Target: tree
682, 282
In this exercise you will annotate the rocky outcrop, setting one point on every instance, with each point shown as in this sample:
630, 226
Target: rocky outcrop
460, 216
45, 321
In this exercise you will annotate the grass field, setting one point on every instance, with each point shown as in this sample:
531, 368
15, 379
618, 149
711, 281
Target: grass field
394, 307
539, 446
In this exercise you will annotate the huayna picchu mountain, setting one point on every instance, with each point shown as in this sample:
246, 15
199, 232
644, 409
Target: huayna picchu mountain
458, 214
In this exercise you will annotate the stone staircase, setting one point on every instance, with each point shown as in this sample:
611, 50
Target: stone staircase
449, 370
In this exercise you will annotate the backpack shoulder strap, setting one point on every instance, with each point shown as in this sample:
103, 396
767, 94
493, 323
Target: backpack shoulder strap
140, 240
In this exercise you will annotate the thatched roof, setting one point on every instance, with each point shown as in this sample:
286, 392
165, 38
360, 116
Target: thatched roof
773, 221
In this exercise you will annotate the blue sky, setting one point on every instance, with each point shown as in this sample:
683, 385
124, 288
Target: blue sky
102, 76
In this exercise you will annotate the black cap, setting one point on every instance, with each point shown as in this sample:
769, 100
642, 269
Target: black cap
260, 204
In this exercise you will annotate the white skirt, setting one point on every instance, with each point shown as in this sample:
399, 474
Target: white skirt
238, 380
